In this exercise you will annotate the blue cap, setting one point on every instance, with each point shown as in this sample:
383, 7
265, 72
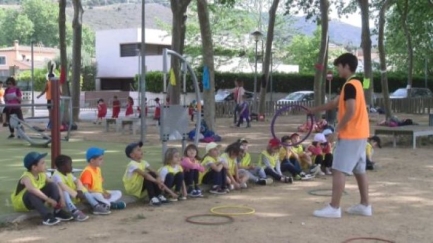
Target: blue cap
131, 147
33, 158
94, 153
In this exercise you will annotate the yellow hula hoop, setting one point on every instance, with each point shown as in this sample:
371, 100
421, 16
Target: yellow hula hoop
250, 211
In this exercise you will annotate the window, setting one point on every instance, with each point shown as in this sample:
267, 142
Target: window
2, 60
129, 50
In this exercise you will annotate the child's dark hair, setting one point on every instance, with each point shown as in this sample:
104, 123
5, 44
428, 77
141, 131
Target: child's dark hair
11, 80
101, 100
115, 97
347, 59
233, 149
131, 100
191, 146
61, 160
285, 139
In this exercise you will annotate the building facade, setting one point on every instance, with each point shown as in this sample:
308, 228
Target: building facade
118, 56
17, 58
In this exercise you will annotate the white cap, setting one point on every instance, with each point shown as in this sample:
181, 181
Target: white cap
326, 132
319, 137
211, 146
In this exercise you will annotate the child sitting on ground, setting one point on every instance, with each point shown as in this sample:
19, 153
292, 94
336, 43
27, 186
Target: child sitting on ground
316, 150
290, 160
372, 143
327, 151
73, 190
192, 168
116, 107
172, 175
91, 178
102, 111
255, 173
215, 170
235, 179
139, 177
35, 191
270, 162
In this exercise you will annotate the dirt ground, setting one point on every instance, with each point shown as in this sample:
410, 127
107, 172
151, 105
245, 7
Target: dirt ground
400, 192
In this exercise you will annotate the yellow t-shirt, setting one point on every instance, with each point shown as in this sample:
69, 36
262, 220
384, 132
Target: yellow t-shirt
246, 160
132, 181
284, 153
231, 163
369, 150
17, 195
206, 162
298, 149
169, 169
272, 158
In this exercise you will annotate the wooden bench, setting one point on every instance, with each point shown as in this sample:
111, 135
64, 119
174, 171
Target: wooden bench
414, 131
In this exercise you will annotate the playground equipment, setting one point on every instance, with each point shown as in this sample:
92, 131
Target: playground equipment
37, 136
175, 118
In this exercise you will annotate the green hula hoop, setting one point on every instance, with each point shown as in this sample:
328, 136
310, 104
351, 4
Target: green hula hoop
315, 192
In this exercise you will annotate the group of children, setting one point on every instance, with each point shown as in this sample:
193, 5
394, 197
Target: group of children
179, 177
129, 111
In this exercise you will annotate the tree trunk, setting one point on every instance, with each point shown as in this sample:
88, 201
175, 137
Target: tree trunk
324, 75
408, 36
76, 57
62, 44
208, 61
382, 56
366, 47
268, 54
320, 68
178, 8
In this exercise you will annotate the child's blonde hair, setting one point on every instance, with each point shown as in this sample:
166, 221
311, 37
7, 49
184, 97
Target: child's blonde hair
169, 155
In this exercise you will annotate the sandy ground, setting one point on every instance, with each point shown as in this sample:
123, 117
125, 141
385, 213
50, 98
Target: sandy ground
400, 193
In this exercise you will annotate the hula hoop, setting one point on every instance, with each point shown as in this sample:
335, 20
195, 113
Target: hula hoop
228, 219
315, 192
285, 108
214, 210
368, 238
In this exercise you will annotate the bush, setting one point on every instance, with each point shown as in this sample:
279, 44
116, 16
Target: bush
40, 78
282, 82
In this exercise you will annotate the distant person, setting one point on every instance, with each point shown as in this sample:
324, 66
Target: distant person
47, 92
13, 97
102, 111
129, 107
157, 115
116, 107
244, 112
2, 102
238, 92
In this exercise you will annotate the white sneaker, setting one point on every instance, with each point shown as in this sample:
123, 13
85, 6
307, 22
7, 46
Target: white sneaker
328, 171
244, 185
314, 171
328, 212
360, 209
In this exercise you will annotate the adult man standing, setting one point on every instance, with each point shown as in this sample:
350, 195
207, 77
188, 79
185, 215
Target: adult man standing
352, 131
2, 102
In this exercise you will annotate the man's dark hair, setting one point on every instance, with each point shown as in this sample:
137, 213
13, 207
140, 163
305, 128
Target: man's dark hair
347, 59
1, 82
11, 80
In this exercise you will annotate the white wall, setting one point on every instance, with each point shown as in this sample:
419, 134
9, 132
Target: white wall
107, 47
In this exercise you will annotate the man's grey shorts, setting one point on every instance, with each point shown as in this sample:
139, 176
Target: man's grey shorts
349, 156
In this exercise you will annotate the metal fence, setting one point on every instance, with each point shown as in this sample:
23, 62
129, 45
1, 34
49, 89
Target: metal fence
418, 106
226, 109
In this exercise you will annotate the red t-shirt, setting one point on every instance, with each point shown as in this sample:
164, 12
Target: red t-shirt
102, 110
129, 110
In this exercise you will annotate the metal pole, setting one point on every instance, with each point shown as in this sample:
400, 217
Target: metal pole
55, 117
33, 77
143, 73
255, 81
184, 71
